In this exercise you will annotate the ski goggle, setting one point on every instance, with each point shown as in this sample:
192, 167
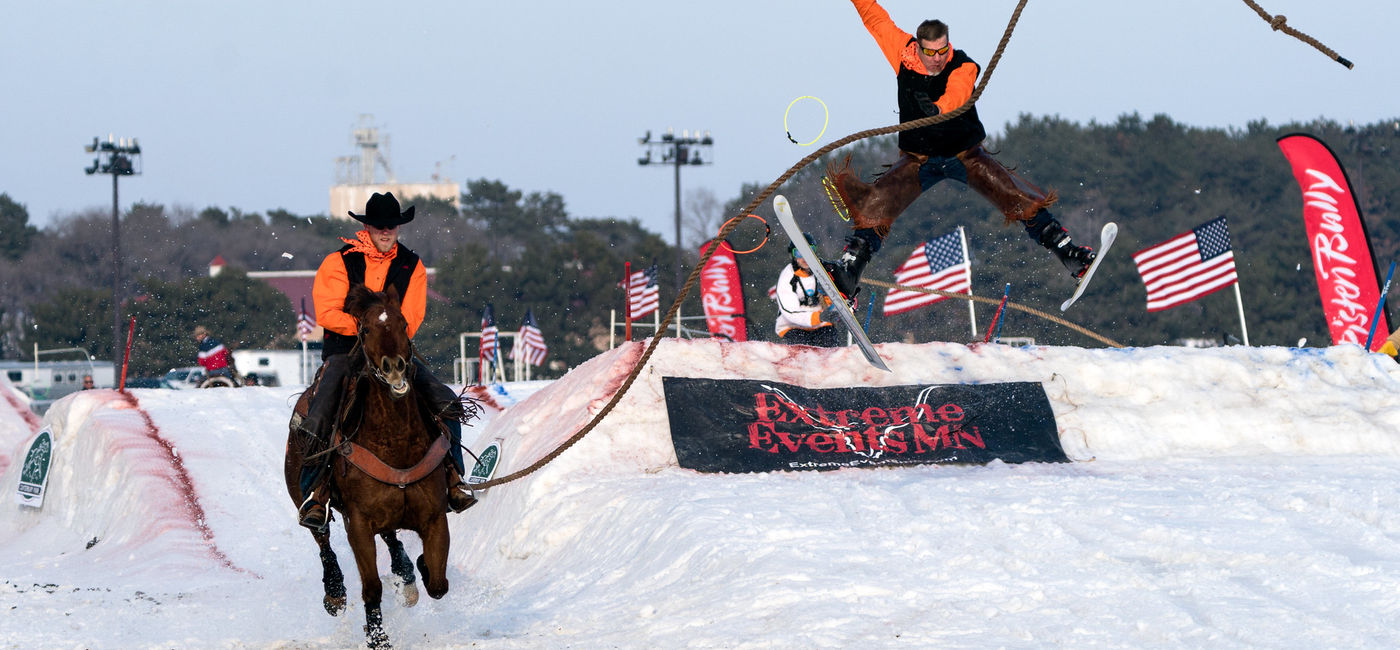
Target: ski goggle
938, 52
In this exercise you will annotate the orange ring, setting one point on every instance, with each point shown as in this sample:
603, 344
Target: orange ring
767, 232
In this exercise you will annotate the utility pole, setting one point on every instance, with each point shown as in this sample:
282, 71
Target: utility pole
119, 158
677, 151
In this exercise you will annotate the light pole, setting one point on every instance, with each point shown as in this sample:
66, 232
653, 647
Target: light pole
118, 158
677, 151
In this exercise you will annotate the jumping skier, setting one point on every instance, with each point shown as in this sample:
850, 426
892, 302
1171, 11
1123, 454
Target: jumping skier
933, 78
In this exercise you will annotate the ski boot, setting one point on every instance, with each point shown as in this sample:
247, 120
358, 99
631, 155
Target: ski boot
1049, 233
846, 271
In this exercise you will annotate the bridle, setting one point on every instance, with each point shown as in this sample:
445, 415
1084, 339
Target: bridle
410, 368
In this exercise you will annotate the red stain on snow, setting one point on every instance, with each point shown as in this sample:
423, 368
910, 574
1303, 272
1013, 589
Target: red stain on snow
185, 485
627, 359
30, 418
482, 394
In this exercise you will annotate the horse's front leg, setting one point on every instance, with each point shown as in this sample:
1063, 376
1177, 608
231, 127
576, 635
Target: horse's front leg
433, 562
332, 580
371, 588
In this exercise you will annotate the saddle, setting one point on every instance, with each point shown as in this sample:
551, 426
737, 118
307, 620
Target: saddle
350, 412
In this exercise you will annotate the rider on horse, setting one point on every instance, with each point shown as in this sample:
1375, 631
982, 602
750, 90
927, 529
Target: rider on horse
376, 260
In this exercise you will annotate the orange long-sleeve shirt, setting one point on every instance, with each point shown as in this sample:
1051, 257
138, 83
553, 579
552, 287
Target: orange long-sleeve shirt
900, 48
333, 282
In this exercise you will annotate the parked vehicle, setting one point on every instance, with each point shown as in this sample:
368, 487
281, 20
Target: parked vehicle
196, 377
147, 382
187, 377
278, 367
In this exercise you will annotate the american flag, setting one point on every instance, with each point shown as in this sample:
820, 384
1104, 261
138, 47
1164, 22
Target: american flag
940, 263
1190, 265
488, 336
642, 292
529, 344
305, 324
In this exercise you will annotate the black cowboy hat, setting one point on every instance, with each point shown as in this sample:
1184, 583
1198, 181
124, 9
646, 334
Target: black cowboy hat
382, 211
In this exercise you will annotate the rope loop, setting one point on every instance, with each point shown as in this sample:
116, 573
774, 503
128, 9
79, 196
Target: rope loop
767, 232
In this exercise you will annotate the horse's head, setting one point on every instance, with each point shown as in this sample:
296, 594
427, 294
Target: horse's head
383, 336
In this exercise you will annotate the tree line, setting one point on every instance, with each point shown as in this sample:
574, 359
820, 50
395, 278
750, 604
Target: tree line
519, 250
1156, 178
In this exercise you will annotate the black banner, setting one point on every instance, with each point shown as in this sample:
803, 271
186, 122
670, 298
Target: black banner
724, 425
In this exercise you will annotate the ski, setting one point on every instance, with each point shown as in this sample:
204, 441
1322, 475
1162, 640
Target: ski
814, 263
1106, 237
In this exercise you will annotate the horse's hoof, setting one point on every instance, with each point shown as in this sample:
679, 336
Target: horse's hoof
376, 638
334, 605
407, 590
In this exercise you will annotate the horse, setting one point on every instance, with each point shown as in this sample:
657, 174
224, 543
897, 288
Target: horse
383, 425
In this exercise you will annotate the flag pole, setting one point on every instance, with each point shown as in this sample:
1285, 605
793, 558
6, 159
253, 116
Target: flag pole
1240, 304
627, 299
971, 312
500, 361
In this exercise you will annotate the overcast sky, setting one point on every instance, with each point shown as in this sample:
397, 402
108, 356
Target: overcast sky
248, 104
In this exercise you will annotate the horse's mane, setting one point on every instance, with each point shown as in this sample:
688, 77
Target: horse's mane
361, 298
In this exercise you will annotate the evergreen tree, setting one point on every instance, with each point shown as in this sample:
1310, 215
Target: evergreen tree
15, 231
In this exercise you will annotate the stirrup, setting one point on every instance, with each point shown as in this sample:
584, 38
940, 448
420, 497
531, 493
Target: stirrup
460, 497
314, 515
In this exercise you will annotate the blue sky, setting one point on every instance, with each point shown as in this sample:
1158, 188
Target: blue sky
248, 104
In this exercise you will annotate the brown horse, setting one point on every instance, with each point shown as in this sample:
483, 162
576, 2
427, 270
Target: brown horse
382, 426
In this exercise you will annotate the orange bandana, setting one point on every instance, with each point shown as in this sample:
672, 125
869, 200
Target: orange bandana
910, 57
363, 244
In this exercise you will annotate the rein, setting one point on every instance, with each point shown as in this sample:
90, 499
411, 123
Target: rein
365, 460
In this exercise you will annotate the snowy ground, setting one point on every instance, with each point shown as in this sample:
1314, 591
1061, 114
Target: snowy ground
1227, 498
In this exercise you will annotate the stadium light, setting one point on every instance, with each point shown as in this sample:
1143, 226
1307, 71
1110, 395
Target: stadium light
676, 151
118, 158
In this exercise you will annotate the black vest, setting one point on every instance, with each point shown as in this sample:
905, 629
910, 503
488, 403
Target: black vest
400, 273
945, 138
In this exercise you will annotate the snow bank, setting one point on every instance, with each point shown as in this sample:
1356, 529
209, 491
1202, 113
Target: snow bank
1227, 497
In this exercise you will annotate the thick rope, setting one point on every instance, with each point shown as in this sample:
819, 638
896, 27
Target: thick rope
734, 223
997, 301
1280, 24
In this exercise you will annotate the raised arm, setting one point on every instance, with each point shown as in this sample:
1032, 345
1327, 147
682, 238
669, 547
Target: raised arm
888, 36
